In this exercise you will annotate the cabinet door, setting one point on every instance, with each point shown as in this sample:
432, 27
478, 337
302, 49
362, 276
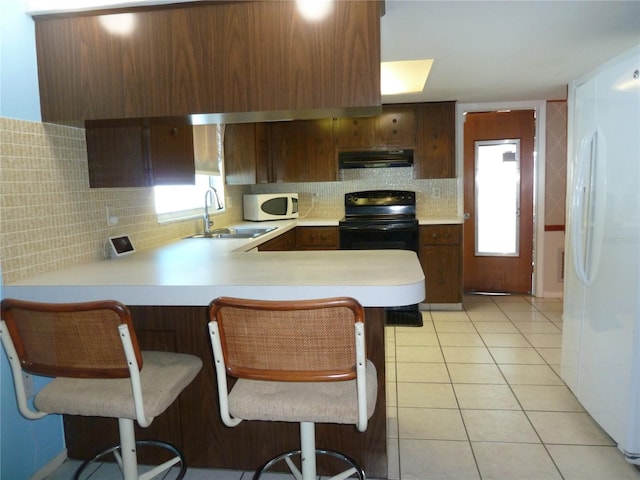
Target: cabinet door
171, 154
240, 154
286, 145
319, 161
131, 153
116, 156
284, 242
317, 238
356, 133
435, 141
441, 260
302, 151
442, 273
396, 126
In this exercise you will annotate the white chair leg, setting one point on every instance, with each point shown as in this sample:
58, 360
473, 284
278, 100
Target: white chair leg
128, 449
308, 450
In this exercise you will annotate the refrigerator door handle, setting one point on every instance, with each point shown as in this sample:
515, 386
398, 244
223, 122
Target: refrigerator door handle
588, 206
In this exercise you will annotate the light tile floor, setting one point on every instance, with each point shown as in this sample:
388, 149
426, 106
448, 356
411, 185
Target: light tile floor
476, 395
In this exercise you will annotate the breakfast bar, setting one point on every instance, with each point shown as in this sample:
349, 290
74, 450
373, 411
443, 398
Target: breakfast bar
168, 291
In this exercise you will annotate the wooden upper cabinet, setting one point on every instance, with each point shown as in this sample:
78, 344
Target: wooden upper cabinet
117, 156
303, 151
297, 151
355, 133
209, 57
395, 127
306, 150
171, 154
240, 154
134, 153
434, 155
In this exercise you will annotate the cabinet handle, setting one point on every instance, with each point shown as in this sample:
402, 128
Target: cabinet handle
174, 131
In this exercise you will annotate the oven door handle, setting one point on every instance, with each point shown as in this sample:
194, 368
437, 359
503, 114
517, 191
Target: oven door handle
379, 228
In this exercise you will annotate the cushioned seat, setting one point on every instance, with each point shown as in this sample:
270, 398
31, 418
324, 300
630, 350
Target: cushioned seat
320, 402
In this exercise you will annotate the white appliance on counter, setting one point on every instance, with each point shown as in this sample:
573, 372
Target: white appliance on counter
601, 320
259, 207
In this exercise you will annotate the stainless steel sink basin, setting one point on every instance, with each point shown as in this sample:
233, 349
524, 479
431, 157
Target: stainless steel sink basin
240, 232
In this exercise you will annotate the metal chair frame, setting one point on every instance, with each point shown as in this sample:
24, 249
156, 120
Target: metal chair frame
308, 450
125, 452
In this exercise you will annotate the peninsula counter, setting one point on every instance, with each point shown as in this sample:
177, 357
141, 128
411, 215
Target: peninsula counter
168, 291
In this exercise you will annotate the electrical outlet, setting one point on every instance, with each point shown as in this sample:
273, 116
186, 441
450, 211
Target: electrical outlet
111, 218
435, 192
27, 380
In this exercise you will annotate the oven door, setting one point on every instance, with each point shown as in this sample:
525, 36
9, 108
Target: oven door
365, 236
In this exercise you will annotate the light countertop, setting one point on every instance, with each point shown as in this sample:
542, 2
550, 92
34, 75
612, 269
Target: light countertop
195, 271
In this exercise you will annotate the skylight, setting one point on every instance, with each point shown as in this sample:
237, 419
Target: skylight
408, 76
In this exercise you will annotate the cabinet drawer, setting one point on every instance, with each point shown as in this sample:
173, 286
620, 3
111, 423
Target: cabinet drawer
317, 238
440, 235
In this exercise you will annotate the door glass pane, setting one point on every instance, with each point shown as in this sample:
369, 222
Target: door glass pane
497, 197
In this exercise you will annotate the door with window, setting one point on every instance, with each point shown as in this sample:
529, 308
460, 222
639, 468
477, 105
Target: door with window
498, 201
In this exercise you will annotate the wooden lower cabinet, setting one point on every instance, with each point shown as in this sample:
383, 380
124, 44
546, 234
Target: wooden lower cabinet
316, 238
303, 238
441, 260
193, 422
281, 243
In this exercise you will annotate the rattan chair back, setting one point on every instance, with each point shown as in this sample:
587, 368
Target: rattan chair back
79, 340
310, 340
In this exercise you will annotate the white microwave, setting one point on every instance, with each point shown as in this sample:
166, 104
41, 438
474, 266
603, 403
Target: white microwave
259, 207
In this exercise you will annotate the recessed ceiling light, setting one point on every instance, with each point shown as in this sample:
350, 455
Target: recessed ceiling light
315, 10
407, 76
118, 23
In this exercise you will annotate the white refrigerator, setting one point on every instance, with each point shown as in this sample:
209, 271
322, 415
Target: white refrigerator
601, 320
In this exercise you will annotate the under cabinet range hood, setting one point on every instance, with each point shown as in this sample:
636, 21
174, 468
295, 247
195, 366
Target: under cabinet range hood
376, 159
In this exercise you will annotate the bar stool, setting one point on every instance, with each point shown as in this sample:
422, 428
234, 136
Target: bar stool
92, 351
295, 361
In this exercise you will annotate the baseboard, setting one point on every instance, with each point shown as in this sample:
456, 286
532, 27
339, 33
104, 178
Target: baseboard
552, 294
443, 307
50, 467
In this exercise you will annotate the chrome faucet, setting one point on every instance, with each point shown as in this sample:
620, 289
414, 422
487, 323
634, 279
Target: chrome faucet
208, 201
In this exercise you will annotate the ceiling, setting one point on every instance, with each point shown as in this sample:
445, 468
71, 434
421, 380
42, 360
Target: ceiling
502, 51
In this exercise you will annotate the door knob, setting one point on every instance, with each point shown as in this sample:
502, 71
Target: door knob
466, 215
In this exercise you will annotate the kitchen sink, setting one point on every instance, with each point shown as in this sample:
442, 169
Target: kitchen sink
239, 232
